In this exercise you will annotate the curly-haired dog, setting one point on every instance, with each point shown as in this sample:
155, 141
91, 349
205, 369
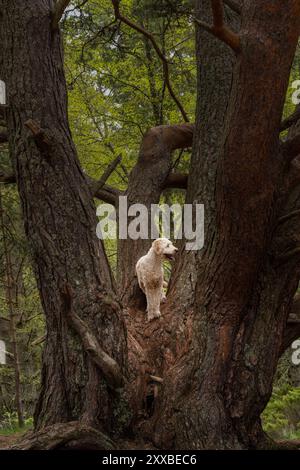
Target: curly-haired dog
150, 274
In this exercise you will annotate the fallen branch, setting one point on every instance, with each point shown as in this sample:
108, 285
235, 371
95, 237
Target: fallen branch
40, 136
59, 9
219, 29
108, 366
165, 63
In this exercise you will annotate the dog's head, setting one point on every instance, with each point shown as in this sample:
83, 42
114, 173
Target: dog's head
164, 248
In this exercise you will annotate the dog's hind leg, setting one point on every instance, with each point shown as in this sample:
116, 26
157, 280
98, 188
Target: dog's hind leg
153, 303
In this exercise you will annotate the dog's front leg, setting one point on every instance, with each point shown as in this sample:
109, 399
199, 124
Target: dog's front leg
153, 303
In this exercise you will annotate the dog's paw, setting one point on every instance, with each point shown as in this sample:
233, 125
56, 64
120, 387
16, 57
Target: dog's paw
163, 299
153, 316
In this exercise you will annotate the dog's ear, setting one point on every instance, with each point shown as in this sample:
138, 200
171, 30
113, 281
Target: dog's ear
157, 247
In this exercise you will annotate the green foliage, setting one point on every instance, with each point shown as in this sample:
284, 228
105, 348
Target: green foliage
115, 80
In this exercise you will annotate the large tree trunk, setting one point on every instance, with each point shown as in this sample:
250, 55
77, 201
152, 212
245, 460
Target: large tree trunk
59, 220
214, 395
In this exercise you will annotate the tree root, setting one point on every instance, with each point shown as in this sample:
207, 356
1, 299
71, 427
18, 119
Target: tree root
73, 436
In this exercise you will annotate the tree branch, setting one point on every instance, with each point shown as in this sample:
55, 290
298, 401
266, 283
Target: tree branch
58, 12
219, 29
109, 170
147, 34
108, 366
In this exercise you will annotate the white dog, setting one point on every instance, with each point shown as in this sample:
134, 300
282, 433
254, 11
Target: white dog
150, 274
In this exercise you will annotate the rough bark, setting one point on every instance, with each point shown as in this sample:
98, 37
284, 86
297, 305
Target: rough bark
59, 218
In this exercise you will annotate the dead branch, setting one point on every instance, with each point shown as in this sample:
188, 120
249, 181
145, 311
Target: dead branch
40, 136
109, 170
165, 63
156, 379
219, 29
72, 435
108, 366
58, 12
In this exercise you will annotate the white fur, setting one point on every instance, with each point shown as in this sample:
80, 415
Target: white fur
150, 274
